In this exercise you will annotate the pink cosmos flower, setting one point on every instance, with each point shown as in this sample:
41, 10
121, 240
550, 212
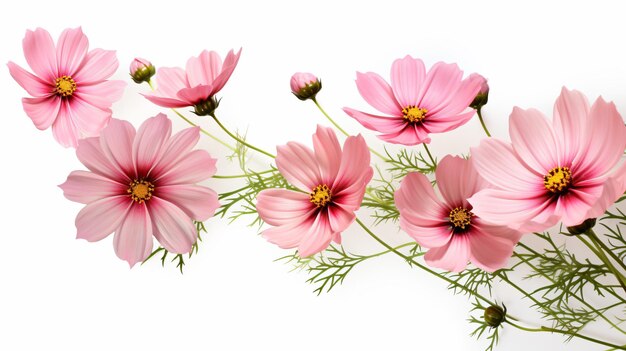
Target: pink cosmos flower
331, 184
418, 103
448, 227
204, 76
70, 89
305, 85
141, 70
142, 184
552, 172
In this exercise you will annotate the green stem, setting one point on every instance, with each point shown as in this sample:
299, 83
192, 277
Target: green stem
564, 332
597, 250
394, 249
239, 140
203, 131
482, 122
594, 237
242, 175
342, 130
430, 155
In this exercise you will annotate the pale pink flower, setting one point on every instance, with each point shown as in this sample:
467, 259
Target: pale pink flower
418, 102
331, 184
197, 85
141, 70
448, 227
305, 85
69, 89
551, 172
142, 184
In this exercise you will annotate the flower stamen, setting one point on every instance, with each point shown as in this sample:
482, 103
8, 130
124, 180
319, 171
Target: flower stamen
414, 114
460, 218
65, 86
321, 195
140, 190
558, 180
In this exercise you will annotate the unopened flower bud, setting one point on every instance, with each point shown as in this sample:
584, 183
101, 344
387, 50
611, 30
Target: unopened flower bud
482, 97
141, 70
582, 227
206, 107
305, 85
494, 315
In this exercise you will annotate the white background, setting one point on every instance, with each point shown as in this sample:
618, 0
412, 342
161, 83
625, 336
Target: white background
57, 292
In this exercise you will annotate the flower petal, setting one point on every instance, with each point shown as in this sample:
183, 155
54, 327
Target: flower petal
355, 162
409, 135
457, 180
150, 141
381, 124
441, 83
133, 240
89, 119
533, 140
460, 100
71, 50
43, 111
90, 154
195, 95
102, 94
177, 147
490, 252
407, 75
98, 65
317, 237
193, 168
198, 202
570, 123
40, 54
327, 152
102, 217
339, 218
30, 82
203, 69
116, 142
64, 129
377, 93
452, 257
287, 236
86, 187
230, 63
280, 207
297, 163
172, 227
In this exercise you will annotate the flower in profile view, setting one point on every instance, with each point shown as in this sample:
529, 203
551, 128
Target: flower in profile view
305, 85
550, 172
141, 70
69, 89
450, 230
482, 97
331, 184
417, 102
142, 184
203, 77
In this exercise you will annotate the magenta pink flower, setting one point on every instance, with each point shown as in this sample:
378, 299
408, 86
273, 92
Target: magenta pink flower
552, 172
418, 103
331, 184
142, 184
448, 228
70, 89
196, 86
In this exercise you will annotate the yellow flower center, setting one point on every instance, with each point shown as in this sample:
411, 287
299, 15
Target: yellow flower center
321, 195
140, 190
414, 114
65, 86
460, 218
558, 180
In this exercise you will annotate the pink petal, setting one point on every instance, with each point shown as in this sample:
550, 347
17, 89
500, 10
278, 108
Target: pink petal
498, 164
441, 83
227, 70
89, 119
460, 100
116, 143
287, 236
31, 83
193, 168
172, 227
490, 252
86, 187
606, 135
351, 196
71, 50
613, 188
457, 180
440, 123
570, 123
317, 237
166, 102
203, 69
280, 207
102, 217
339, 218
407, 75
354, 163
64, 129
410, 135
133, 240
533, 140
377, 123
426, 232
98, 65
453, 257
177, 147
43, 111
169, 81
377, 93
195, 95
150, 142
574, 206
298, 164
198, 202
327, 152
40, 54
90, 154
102, 94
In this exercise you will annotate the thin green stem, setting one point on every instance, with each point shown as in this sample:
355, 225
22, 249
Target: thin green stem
564, 332
203, 131
597, 250
239, 140
242, 175
482, 122
430, 155
342, 130
594, 237
394, 249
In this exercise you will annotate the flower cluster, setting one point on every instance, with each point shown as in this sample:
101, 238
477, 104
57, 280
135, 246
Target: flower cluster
467, 216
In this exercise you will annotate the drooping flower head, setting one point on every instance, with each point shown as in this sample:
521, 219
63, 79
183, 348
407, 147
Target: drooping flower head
69, 89
564, 170
417, 102
195, 86
331, 184
482, 97
305, 85
449, 228
142, 184
141, 70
